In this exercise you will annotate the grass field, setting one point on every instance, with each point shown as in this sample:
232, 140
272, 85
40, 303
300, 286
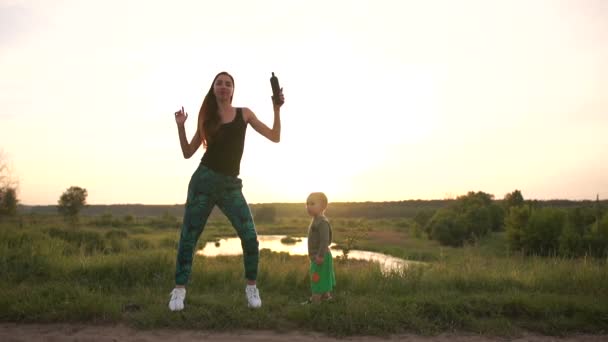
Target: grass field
52, 272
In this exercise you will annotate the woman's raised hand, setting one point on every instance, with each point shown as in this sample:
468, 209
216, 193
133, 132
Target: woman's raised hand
181, 116
278, 102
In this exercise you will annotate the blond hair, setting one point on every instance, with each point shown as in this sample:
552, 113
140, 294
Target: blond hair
321, 196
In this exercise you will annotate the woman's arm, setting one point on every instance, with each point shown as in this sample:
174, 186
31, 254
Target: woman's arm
188, 149
273, 134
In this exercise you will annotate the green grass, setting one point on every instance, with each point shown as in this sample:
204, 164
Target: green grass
52, 273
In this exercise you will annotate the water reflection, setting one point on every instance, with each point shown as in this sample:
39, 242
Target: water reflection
232, 246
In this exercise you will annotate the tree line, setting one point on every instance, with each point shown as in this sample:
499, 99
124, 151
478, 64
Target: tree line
532, 227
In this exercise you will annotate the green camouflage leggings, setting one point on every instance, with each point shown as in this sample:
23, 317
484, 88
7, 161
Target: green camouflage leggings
208, 188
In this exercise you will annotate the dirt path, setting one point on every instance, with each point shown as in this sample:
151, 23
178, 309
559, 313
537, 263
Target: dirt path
91, 333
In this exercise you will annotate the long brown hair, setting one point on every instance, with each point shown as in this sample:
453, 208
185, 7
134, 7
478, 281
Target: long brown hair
209, 117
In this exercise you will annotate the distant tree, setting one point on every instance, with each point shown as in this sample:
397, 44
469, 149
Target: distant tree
6, 178
541, 235
497, 216
467, 219
515, 221
8, 188
602, 236
481, 213
448, 227
570, 240
582, 218
513, 199
71, 202
568, 232
474, 199
478, 221
598, 211
8, 202
352, 238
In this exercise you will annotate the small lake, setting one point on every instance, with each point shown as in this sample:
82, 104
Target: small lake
232, 246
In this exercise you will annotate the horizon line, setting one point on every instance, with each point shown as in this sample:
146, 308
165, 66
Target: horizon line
336, 202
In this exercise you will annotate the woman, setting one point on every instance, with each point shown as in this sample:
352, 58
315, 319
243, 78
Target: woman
221, 131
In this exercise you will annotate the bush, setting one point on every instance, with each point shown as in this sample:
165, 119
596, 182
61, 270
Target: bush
541, 234
471, 217
478, 221
570, 241
550, 231
515, 221
595, 242
448, 227
497, 217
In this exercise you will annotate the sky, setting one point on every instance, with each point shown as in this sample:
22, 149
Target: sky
385, 100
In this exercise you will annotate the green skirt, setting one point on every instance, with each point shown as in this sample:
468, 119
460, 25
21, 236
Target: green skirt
322, 277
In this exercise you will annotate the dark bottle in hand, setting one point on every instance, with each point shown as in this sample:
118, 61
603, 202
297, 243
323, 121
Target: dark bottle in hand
276, 89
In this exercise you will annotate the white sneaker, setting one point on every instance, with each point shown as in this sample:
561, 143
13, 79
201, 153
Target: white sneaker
177, 299
253, 297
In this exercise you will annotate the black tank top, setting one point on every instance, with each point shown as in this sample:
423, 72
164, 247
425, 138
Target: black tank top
224, 152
